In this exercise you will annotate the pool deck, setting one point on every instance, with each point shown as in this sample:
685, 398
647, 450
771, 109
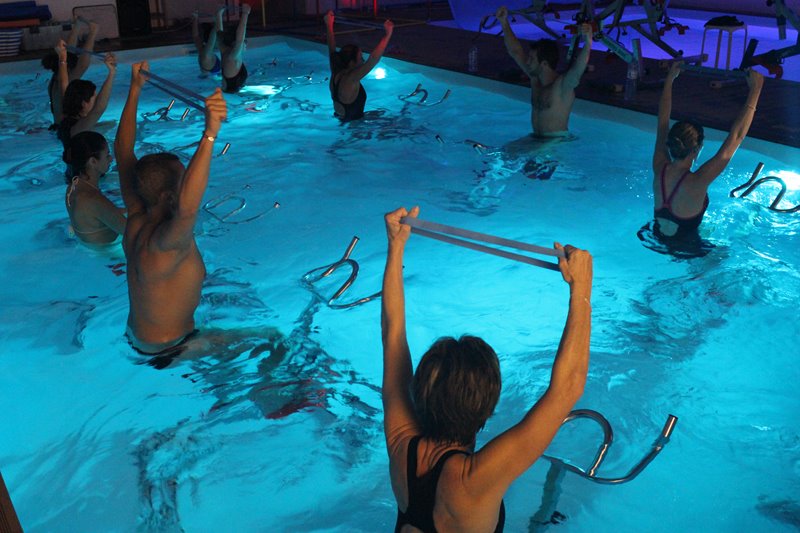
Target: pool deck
777, 119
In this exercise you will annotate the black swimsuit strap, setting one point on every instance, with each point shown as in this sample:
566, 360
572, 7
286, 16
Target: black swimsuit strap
411, 460
411, 467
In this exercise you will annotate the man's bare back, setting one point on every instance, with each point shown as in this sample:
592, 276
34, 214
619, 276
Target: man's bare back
165, 269
163, 286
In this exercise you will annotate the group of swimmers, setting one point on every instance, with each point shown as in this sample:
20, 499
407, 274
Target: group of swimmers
431, 415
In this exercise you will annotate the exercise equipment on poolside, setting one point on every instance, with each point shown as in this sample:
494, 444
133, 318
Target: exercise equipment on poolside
535, 14
471, 14
314, 275
648, 27
753, 183
423, 93
773, 59
442, 233
547, 512
214, 206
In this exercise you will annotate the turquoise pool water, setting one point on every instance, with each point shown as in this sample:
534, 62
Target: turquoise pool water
250, 438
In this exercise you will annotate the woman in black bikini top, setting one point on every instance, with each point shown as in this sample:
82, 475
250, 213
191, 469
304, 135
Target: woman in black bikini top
680, 196
431, 418
348, 68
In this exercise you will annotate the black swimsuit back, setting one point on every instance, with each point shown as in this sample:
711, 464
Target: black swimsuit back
422, 493
353, 110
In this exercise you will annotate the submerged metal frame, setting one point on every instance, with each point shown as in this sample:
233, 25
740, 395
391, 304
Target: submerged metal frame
753, 183
316, 274
608, 438
419, 90
211, 205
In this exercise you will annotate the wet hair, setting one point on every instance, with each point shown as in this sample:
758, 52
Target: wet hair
50, 61
455, 389
81, 148
546, 50
683, 138
156, 174
345, 56
78, 92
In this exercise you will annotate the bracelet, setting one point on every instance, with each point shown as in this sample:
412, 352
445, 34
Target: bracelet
62, 62
751, 106
209, 137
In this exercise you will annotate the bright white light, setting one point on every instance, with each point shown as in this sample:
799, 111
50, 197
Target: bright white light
792, 179
380, 73
264, 90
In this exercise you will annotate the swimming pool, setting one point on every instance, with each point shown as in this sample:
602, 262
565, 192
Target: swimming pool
246, 440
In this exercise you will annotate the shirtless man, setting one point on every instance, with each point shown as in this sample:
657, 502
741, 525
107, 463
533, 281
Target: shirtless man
165, 269
552, 94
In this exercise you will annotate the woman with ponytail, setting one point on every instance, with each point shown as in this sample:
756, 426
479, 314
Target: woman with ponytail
680, 195
95, 220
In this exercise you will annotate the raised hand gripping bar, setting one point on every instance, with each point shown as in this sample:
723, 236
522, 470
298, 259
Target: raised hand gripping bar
441, 232
174, 86
173, 89
177, 95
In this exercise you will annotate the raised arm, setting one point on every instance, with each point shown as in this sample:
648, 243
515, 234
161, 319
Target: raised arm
241, 31
660, 152
507, 456
376, 54
126, 137
84, 60
398, 418
63, 72
712, 168
513, 45
101, 102
572, 77
177, 233
330, 36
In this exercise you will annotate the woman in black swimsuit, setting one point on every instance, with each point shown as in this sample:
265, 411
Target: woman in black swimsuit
680, 195
431, 418
348, 68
